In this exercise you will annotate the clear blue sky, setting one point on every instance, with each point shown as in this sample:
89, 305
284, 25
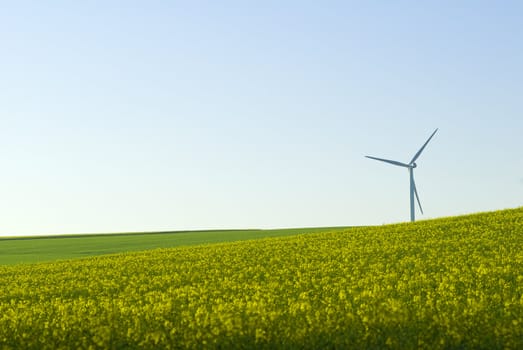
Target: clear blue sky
167, 115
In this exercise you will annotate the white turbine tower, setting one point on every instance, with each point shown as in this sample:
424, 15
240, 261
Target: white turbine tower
411, 167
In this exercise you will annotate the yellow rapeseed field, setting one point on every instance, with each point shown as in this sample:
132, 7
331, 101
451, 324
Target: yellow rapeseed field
446, 283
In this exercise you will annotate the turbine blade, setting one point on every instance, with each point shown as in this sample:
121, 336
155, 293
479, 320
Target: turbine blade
390, 161
417, 197
422, 148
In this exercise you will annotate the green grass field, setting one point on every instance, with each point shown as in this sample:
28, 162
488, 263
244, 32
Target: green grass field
15, 250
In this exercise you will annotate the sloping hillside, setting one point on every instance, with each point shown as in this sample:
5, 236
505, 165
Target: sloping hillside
446, 283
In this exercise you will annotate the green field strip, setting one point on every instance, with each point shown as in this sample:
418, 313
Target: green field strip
34, 249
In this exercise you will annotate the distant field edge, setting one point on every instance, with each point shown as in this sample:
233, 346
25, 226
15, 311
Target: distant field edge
37, 249
103, 234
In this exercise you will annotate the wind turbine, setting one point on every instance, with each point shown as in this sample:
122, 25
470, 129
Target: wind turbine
411, 165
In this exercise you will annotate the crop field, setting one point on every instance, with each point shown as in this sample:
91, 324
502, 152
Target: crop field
15, 250
452, 283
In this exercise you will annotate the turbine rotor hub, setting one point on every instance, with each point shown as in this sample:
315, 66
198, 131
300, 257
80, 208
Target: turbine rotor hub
414, 165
